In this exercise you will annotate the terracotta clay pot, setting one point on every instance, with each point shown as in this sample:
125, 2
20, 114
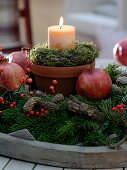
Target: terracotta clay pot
66, 77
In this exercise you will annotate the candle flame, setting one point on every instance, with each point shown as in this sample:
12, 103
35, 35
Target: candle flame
61, 22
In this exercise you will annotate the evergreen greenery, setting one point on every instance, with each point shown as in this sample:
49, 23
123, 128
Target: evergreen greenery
84, 53
64, 126
113, 70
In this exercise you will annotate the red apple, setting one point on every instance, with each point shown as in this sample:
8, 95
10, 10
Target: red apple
11, 75
20, 58
95, 84
120, 52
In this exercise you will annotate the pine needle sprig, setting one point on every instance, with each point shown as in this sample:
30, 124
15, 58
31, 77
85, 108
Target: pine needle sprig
106, 107
113, 71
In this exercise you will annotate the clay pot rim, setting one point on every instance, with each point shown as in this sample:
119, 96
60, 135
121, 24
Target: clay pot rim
60, 72
63, 67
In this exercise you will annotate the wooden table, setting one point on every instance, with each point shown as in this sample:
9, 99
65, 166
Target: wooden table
12, 164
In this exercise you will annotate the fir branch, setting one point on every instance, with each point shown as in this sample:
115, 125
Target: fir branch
124, 99
95, 138
106, 106
113, 71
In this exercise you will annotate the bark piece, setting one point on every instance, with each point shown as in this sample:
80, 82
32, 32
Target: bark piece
79, 107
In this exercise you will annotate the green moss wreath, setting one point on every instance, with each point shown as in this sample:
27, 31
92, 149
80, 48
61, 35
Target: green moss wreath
84, 53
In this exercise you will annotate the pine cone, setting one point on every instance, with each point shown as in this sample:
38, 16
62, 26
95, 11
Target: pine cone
121, 80
49, 105
29, 105
117, 89
57, 98
122, 74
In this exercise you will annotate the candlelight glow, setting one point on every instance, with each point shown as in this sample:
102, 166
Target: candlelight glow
61, 22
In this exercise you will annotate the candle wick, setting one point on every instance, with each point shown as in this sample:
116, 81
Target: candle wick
61, 27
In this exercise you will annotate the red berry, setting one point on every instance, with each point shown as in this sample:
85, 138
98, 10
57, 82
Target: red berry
42, 115
11, 105
114, 108
32, 112
120, 112
14, 103
3, 102
28, 70
1, 99
119, 106
30, 62
27, 57
1, 69
31, 92
123, 121
22, 95
6, 102
16, 86
53, 91
28, 115
54, 82
1, 56
29, 80
43, 110
23, 79
26, 76
27, 86
37, 113
123, 105
121, 109
51, 87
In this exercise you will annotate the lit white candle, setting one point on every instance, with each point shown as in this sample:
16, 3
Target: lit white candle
61, 36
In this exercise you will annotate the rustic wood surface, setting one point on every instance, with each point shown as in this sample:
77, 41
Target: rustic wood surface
63, 155
111, 169
77, 169
3, 162
12, 164
42, 167
19, 165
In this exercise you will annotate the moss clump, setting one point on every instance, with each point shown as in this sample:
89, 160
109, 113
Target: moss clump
84, 53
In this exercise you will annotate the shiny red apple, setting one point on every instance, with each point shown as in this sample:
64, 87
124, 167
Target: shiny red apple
94, 84
120, 52
10, 75
20, 58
